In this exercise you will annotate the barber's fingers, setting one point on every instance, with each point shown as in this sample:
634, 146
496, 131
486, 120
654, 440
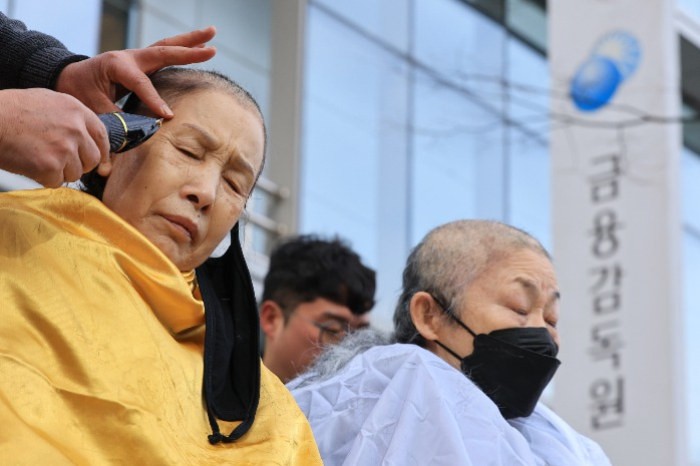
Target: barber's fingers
91, 145
99, 80
73, 146
49, 136
149, 60
189, 39
136, 81
99, 149
73, 168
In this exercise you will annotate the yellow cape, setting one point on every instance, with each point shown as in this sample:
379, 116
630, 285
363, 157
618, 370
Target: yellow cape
101, 345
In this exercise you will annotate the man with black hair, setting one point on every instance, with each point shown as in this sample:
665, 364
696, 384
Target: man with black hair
315, 292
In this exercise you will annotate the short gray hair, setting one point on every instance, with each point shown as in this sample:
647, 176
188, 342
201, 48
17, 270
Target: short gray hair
335, 357
448, 259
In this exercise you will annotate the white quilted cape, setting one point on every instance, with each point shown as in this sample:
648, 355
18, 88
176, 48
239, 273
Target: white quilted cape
400, 405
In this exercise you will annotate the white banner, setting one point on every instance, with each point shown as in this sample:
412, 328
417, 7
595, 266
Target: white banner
617, 227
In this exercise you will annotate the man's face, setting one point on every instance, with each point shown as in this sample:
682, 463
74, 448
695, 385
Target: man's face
186, 187
310, 326
520, 290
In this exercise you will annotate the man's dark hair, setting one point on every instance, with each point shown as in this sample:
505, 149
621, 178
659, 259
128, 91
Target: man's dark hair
305, 268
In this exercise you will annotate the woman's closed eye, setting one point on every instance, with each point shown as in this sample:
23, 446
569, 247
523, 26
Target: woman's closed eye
239, 182
552, 321
231, 184
188, 153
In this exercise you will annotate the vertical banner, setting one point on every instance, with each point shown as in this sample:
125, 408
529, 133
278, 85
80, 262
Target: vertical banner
617, 227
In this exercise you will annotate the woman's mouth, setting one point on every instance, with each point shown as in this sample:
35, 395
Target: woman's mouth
186, 228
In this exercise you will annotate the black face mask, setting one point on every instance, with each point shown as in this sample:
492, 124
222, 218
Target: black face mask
511, 366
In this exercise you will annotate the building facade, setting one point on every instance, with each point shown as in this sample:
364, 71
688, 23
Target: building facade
390, 117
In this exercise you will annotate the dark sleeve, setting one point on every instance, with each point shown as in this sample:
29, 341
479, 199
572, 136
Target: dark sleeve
30, 58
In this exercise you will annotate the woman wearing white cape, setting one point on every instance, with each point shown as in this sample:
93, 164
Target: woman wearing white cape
479, 299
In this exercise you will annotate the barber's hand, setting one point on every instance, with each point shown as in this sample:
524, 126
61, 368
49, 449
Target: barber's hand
99, 81
48, 136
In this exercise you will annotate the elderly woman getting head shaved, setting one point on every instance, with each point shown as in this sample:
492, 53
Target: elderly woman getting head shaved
186, 187
122, 341
475, 345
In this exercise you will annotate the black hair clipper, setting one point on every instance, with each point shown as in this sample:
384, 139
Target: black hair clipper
126, 130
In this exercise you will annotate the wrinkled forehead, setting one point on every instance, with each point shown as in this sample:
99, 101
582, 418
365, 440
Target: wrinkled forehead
499, 269
218, 120
524, 270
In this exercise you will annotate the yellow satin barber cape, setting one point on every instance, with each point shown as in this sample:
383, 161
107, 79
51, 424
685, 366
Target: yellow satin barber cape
101, 344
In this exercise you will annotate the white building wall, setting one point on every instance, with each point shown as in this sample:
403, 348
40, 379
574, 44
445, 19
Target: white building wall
617, 228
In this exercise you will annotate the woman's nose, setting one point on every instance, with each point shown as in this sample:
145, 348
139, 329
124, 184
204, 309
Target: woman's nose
536, 319
201, 189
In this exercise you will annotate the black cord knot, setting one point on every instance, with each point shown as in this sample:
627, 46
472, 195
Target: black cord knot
215, 438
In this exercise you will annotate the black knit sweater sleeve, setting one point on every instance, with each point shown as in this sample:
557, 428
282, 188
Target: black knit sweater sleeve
30, 58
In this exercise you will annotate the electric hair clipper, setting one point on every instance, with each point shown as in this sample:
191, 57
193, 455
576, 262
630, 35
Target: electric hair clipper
126, 130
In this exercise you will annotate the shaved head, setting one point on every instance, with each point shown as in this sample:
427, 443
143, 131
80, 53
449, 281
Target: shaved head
449, 258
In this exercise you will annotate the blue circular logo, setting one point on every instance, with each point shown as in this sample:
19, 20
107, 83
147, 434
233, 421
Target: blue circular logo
614, 58
595, 83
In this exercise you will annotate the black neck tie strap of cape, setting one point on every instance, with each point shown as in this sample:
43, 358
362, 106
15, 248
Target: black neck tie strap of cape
231, 345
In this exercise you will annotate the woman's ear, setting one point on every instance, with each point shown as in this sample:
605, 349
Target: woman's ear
426, 315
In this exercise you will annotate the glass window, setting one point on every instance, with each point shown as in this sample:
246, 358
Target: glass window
247, 34
692, 7
528, 19
528, 92
354, 149
461, 46
113, 28
76, 26
690, 172
527, 145
261, 202
690, 82
690, 194
457, 159
180, 13
691, 277
353, 108
529, 185
494, 8
691, 129
386, 20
